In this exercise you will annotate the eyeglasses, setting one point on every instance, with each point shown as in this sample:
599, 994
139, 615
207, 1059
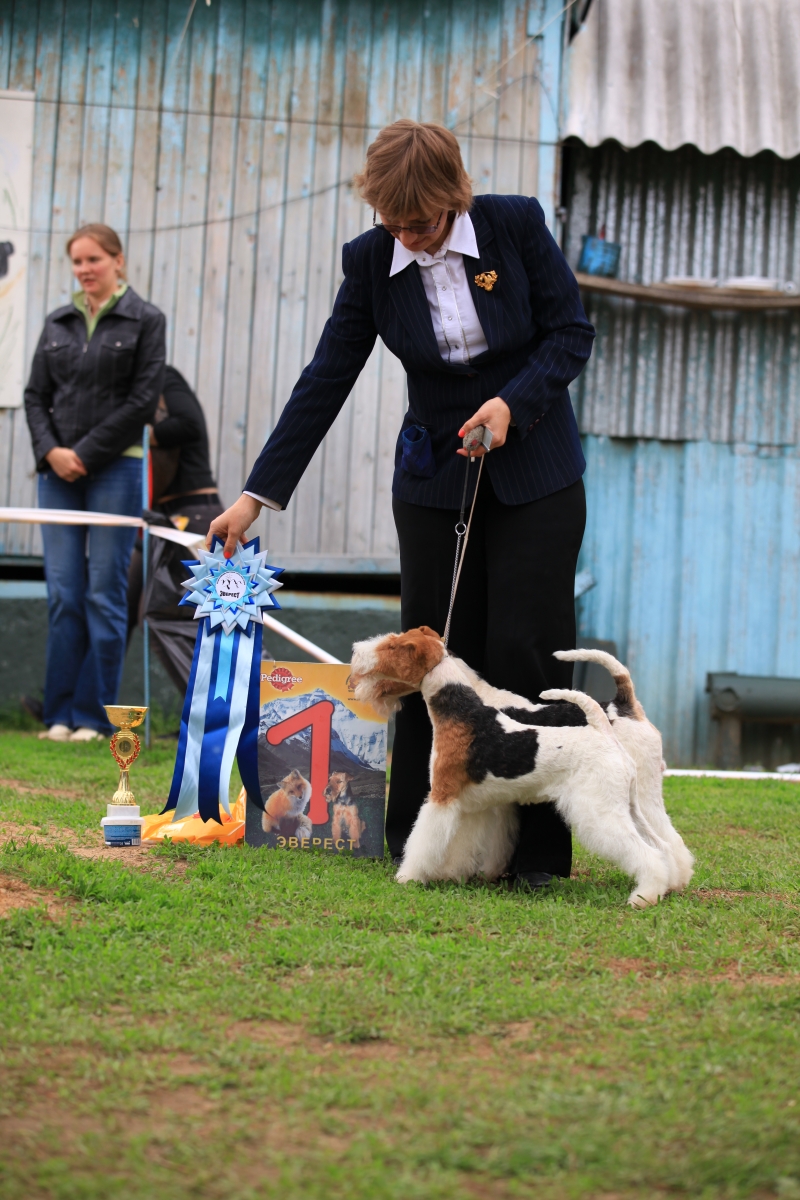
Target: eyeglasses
417, 230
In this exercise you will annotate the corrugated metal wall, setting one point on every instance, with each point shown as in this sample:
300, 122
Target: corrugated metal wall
690, 430
695, 547
225, 163
668, 372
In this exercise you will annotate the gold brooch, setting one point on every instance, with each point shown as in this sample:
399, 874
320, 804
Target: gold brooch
486, 280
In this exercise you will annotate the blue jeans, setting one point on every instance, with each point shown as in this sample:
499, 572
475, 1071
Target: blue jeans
87, 582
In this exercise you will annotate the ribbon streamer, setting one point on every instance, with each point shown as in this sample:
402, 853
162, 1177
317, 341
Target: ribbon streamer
220, 713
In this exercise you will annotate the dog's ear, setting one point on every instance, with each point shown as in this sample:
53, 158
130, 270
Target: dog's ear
426, 629
348, 776
294, 774
419, 653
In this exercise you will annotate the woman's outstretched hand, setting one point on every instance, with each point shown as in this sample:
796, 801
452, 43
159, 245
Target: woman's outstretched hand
233, 524
495, 415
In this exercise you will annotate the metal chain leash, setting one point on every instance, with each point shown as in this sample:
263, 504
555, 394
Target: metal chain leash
479, 437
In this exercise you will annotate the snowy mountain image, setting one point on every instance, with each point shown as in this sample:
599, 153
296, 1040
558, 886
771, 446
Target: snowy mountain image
362, 743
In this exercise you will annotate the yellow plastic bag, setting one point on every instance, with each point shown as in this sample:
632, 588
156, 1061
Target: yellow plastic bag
202, 833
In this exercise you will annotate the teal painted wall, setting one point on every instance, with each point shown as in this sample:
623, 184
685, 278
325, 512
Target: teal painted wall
690, 421
225, 161
695, 547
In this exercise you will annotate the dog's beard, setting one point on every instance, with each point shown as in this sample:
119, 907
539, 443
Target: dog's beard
385, 695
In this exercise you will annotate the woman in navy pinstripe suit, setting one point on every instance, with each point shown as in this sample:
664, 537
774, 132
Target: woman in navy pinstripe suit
477, 301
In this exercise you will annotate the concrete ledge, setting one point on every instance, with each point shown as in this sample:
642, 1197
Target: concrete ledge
338, 564
36, 589
23, 589
337, 602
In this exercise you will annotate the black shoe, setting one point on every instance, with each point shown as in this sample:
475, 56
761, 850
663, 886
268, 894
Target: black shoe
34, 707
532, 881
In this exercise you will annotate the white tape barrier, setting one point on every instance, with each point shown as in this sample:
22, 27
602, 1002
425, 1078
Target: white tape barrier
192, 541
76, 516
297, 640
700, 774
66, 516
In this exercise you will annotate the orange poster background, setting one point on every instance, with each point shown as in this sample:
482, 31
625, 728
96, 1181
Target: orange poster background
330, 676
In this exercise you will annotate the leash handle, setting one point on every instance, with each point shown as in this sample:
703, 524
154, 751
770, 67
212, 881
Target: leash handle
462, 538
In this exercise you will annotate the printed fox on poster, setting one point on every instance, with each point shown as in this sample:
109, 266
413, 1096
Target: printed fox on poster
321, 763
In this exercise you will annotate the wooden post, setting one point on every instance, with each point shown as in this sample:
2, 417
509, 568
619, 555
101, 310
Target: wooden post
729, 741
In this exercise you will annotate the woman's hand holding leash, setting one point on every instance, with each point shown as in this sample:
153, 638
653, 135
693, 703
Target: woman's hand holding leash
496, 416
233, 524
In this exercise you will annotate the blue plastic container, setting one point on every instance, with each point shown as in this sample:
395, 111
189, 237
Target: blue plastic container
599, 257
123, 825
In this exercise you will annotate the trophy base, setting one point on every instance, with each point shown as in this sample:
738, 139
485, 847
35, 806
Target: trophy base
123, 825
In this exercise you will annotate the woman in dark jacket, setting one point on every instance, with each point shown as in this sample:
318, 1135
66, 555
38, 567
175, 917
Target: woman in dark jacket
94, 385
475, 298
184, 492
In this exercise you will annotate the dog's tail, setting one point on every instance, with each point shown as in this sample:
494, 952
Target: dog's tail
594, 713
625, 698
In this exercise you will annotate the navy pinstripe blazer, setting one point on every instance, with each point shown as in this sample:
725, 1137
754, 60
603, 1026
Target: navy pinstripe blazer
538, 337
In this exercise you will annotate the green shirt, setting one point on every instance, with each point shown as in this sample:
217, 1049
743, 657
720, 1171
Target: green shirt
79, 300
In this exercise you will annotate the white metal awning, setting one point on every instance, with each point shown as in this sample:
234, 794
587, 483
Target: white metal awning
710, 73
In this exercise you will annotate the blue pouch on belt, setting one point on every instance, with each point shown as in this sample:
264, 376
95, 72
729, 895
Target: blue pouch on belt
417, 458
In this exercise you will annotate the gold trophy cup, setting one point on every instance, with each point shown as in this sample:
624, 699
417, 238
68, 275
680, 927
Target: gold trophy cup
125, 746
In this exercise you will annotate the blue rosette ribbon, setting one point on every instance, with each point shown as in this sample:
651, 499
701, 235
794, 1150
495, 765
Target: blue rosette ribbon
220, 713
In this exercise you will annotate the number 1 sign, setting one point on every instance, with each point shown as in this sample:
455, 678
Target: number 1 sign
321, 764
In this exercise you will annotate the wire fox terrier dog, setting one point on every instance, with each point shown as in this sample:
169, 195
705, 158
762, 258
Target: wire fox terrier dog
493, 749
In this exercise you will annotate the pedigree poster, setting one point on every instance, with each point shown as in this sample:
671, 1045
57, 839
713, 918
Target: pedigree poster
321, 764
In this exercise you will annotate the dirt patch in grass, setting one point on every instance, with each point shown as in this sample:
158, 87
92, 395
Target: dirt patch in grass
132, 856
15, 894
431, 1057
520, 1031
41, 1105
164, 1102
277, 1033
733, 975
19, 785
727, 894
11, 832
787, 901
45, 1113
89, 845
291, 1037
621, 968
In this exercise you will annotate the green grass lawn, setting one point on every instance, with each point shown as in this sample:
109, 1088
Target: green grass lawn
235, 1023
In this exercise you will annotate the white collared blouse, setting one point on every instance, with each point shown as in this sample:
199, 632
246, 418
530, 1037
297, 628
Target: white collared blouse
455, 321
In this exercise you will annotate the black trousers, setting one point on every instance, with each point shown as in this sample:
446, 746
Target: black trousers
515, 606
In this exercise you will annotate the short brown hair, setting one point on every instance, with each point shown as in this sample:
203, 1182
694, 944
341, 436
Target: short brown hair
414, 169
105, 236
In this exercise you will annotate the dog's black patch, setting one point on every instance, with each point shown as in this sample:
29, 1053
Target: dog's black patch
560, 712
506, 755
346, 799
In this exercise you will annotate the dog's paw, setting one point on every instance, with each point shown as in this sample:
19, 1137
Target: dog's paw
637, 900
406, 876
